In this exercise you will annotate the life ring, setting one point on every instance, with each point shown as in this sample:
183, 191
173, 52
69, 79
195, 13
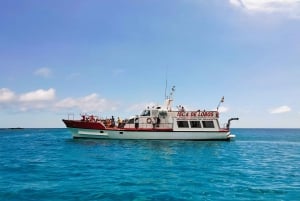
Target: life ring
149, 121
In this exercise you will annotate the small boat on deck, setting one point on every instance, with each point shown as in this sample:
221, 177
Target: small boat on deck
154, 123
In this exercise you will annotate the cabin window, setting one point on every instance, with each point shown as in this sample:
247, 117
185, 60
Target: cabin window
146, 113
195, 124
208, 124
163, 114
182, 124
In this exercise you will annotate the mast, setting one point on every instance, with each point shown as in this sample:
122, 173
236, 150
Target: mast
169, 99
166, 84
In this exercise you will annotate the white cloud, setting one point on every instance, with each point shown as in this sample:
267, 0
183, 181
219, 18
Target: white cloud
24, 107
90, 103
223, 109
43, 72
67, 103
281, 109
45, 100
290, 8
236, 2
6, 95
137, 108
39, 99
38, 95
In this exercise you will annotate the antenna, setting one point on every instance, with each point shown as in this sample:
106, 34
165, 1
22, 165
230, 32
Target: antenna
166, 84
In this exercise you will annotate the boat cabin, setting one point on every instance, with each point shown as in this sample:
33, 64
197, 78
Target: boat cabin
159, 118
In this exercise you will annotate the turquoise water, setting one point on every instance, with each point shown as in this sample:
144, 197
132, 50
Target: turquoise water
47, 164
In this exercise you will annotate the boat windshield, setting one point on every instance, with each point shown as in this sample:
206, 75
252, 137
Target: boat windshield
146, 113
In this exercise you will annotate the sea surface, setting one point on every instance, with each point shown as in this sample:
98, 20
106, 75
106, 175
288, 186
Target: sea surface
47, 164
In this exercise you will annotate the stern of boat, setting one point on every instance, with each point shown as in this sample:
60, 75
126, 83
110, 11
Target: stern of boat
230, 135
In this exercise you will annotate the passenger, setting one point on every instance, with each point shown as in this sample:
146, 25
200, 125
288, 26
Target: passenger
136, 124
157, 122
113, 121
108, 122
119, 121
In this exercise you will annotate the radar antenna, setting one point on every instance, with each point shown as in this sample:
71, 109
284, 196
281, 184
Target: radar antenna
169, 99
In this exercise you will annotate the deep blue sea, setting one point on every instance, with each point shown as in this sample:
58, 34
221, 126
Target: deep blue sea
47, 164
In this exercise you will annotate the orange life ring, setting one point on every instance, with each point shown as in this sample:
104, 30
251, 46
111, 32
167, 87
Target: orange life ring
149, 121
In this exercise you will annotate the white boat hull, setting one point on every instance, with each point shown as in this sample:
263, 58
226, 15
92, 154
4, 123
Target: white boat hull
150, 135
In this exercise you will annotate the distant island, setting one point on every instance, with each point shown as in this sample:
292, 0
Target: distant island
15, 128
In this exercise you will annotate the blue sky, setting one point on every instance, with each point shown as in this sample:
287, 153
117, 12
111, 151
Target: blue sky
112, 57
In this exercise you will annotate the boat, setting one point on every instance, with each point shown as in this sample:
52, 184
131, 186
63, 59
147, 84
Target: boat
154, 123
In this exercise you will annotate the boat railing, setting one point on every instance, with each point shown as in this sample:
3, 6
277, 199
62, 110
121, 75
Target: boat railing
164, 125
71, 116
